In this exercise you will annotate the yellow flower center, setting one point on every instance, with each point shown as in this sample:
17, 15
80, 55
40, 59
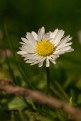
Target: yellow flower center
44, 48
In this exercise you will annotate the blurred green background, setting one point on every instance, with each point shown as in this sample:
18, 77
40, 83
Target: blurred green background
19, 16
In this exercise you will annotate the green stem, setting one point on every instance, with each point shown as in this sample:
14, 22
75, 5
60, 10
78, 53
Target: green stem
48, 79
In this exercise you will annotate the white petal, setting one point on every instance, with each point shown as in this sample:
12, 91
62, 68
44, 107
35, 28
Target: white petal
65, 40
46, 36
70, 50
24, 39
30, 37
53, 61
35, 60
58, 37
32, 57
53, 34
22, 43
29, 44
63, 45
63, 50
21, 52
38, 61
35, 35
40, 64
54, 57
28, 48
41, 33
47, 62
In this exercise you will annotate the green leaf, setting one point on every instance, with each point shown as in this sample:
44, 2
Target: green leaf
16, 104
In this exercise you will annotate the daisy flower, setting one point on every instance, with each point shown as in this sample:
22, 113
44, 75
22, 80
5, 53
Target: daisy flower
41, 47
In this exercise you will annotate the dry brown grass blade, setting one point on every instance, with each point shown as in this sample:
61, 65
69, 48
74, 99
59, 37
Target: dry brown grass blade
37, 96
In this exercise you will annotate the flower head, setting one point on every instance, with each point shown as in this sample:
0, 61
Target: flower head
41, 47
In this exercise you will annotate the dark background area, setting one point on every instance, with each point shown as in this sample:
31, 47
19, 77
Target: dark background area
26, 15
